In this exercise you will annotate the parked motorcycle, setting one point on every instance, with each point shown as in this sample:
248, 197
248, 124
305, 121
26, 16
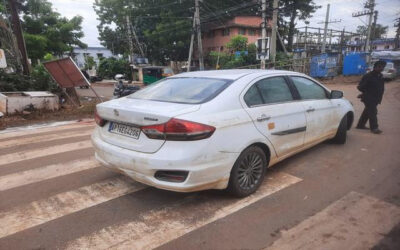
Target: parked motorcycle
121, 90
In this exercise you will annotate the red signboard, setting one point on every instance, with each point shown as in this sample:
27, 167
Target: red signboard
66, 73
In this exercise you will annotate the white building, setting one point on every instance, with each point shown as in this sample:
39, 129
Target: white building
97, 53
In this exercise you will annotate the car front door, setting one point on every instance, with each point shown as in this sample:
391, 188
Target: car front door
276, 114
321, 113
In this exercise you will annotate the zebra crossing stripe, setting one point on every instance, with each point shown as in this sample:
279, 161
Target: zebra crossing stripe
44, 173
43, 138
38, 212
40, 152
158, 227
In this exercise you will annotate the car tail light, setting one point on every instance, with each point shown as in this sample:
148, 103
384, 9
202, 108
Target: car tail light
178, 130
99, 121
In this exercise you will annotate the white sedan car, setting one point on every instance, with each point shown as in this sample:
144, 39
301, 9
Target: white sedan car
217, 129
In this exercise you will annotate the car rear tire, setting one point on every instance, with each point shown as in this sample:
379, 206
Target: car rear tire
341, 134
248, 172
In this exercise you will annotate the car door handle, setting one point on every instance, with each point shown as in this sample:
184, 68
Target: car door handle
263, 118
310, 110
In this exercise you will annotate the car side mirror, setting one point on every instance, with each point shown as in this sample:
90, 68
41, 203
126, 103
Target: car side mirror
336, 94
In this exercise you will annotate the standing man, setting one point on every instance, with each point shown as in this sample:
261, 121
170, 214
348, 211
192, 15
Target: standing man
372, 88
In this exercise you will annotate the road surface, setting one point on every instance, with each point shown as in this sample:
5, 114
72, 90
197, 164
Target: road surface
54, 195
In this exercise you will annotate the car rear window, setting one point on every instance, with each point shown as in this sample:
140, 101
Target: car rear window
183, 90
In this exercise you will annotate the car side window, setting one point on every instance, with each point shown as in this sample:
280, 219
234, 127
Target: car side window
308, 89
274, 90
252, 97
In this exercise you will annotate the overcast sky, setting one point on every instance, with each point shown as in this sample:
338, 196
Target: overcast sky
340, 9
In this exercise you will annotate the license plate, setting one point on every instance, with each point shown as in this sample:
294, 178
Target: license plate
125, 130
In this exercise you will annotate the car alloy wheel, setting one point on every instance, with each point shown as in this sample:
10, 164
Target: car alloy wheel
248, 172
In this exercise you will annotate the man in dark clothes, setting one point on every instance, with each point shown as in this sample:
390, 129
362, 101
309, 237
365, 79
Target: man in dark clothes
372, 88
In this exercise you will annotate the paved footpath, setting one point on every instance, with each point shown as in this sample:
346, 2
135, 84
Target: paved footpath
54, 195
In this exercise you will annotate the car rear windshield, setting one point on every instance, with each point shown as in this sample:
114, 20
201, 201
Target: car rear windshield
183, 90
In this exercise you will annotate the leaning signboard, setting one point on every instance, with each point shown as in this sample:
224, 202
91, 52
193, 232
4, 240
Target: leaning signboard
66, 73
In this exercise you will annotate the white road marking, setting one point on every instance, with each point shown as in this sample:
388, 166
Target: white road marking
44, 138
44, 173
40, 152
42, 211
31, 131
354, 222
158, 227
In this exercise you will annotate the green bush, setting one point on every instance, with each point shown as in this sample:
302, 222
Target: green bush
39, 80
14, 82
42, 81
228, 59
109, 67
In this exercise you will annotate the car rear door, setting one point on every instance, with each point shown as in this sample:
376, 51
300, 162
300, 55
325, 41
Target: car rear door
275, 113
322, 114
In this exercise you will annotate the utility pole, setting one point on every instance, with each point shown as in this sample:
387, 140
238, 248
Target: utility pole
198, 30
131, 47
263, 31
326, 28
191, 44
374, 23
397, 39
16, 26
305, 41
273, 31
370, 5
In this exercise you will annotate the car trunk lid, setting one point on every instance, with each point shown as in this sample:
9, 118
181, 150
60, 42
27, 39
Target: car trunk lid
125, 116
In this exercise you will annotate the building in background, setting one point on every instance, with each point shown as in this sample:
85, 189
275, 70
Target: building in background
97, 53
357, 44
217, 35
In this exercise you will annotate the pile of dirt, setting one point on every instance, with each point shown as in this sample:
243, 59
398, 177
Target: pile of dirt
340, 79
66, 113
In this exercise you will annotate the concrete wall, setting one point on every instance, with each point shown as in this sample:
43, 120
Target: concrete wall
13, 102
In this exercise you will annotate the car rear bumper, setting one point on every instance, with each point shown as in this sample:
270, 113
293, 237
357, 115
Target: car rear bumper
205, 170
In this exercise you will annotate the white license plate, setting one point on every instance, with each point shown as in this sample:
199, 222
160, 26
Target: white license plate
125, 130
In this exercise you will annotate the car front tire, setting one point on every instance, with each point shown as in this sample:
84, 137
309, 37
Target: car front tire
248, 172
341, 134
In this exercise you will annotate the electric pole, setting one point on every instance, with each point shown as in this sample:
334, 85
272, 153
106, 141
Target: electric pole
263, 31
326, 28
16, 26
370, 5
273, 31
191, 44
131, 47
374, 23
198, 30
397, 39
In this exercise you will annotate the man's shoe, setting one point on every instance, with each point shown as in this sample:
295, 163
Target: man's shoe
361, 127
376, 131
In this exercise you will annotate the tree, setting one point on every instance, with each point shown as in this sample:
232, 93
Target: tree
233, 59
237, 43
164, 29
45, 31
296, 9
378, 32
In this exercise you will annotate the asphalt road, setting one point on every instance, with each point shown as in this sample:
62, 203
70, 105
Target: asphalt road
53, 195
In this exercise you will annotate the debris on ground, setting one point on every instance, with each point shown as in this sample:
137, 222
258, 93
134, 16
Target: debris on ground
65, 113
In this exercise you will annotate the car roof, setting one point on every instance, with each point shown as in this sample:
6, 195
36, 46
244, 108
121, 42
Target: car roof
232, 74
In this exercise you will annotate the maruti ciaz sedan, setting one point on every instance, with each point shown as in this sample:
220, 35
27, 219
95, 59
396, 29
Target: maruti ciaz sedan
217, 129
